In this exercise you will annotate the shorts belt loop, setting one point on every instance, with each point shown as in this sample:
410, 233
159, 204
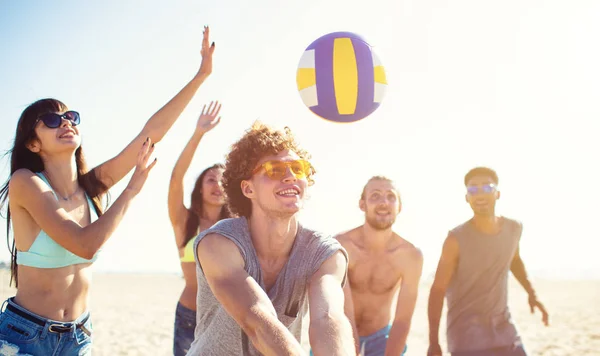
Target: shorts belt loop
3, 305
45, 331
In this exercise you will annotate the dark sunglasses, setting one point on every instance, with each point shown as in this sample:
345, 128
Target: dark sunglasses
277, 169
484, 189
53, 120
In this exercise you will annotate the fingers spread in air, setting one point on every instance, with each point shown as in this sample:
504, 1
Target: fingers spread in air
210, 108
145, 152
217, 108
205, 37
151, 165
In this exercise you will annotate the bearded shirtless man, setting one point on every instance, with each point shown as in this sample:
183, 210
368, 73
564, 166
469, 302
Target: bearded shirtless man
380, 263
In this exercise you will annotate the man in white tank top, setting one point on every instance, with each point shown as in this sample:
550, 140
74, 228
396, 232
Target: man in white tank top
473, 276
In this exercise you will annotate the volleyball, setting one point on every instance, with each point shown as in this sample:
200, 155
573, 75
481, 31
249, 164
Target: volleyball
340, 78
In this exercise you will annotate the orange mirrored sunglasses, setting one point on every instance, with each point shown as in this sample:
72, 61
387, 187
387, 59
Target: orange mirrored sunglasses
277, 169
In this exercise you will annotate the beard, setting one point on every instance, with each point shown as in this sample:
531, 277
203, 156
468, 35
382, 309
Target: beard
379, 224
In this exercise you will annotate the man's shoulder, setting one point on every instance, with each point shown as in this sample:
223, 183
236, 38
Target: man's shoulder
316, 238
311, 233
225, 227
317, 247
226, 231
465, 224
407, 249
512, 221
347, 235
458, 229
228, 222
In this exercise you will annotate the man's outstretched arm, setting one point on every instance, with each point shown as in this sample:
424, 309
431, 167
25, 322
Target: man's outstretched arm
243, 298
517, 268
443, 276
407, 299
349, 311
330, 331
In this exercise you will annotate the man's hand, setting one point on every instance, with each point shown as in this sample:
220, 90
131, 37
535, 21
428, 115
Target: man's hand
535, 303
434, 350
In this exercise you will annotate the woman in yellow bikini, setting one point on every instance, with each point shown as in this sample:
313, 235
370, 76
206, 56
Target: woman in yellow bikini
206, 208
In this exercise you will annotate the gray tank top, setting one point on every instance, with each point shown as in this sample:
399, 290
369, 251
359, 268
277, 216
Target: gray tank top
478, 313
217, 333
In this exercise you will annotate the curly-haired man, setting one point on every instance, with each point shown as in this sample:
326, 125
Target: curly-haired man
259, 274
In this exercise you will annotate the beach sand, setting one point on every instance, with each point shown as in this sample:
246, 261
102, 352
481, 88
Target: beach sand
133, 314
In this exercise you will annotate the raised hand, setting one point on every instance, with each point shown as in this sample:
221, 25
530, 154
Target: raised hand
138, 179
206, 52
208, 118
535, 303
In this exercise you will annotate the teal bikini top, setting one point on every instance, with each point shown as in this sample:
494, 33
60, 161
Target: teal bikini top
46, 253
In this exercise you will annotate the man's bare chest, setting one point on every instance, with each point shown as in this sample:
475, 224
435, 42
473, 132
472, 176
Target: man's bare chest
375, 274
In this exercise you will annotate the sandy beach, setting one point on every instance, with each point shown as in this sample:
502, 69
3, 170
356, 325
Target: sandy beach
133, 314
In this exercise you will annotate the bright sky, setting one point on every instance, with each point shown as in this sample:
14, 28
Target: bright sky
512, 85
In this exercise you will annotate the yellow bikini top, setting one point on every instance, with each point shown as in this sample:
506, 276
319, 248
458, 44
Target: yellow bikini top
188, 252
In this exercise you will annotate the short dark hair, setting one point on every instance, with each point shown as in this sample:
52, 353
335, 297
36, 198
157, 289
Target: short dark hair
481, 171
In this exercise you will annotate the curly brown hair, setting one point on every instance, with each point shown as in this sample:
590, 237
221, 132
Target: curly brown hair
258, 141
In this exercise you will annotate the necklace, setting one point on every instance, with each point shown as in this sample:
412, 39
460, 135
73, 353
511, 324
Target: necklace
70, 196
60, 196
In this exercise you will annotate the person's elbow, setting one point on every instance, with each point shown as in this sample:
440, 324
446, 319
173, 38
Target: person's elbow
87, 250
437, 293
330, 323
81, 245
439, 287
255, 320
87, 253
332, 331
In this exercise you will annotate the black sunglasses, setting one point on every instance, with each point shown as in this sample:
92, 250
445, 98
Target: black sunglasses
53, 120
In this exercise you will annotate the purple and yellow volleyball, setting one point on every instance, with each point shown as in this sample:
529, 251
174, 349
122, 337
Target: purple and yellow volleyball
340, 78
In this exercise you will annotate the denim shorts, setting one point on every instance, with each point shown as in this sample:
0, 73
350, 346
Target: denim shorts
25, 333
185, 324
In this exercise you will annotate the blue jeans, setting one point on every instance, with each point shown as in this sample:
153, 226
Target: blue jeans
375, 344
185, 324
513, 350
25, 333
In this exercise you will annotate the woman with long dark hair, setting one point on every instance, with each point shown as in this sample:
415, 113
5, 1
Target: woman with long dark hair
58, 224
206, 208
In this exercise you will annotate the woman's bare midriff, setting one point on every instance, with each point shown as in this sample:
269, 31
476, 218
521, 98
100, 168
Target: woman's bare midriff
188, 296
59, 294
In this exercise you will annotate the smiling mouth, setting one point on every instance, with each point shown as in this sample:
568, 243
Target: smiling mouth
291, 192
